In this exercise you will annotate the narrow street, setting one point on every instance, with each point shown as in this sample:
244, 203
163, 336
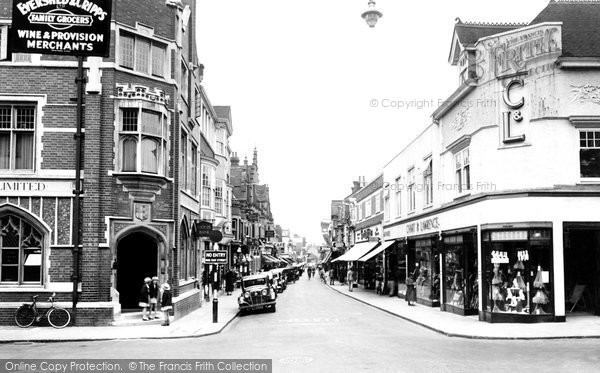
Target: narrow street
318, 330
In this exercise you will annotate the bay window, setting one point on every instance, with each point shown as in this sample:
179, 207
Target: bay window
143, 141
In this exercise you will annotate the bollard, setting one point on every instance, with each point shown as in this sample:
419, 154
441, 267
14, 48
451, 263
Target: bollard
215, 310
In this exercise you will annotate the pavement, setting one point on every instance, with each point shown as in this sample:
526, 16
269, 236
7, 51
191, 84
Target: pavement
452, 325
196, 324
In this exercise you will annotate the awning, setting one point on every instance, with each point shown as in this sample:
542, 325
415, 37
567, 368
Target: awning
270, 259
326, 258
226, 241
357, 251
377, 251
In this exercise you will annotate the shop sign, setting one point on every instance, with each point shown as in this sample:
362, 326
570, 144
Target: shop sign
509, 236
203, 228
215, 257
19, 188
269, 234
423, 226
65, 27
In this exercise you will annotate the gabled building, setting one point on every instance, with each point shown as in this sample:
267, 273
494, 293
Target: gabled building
143, 149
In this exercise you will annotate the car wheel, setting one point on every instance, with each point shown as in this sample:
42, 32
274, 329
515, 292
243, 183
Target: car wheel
273, 309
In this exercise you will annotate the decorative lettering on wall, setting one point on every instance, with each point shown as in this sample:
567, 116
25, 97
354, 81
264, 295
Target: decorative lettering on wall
461, 119
516, 115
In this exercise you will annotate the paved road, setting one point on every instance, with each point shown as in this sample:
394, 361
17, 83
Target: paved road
316, 329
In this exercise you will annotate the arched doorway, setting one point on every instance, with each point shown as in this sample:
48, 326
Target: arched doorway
137, 257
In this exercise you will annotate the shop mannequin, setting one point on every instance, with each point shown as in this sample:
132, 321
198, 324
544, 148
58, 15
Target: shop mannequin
540, 298
496, 284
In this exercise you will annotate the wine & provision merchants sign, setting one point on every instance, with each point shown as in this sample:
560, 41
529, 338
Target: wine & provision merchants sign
66, 27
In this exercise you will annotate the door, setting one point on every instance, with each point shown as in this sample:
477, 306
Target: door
137, 258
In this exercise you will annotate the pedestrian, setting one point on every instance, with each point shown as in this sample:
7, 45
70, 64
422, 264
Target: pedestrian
308, 271
153, 295
411, 292
144, 300
166, 303
331, 279
350, 277
229, 281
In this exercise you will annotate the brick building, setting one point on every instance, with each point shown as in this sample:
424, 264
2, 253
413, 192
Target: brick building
140, 175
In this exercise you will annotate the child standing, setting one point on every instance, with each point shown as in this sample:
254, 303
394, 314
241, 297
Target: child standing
153, 293
145, 298
166, 303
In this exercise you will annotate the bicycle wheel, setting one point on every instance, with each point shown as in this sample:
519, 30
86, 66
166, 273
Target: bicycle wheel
59, 317
24, 316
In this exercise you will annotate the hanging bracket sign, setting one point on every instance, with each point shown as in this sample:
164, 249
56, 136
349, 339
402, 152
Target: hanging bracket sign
65, 27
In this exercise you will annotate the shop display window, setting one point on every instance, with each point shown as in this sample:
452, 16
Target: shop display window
425, 272
519, 272
460, 272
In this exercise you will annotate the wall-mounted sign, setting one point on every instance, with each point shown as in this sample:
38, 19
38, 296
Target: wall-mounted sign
424, 225
215, 257
67, 27
269, 234
35, 188
203, 228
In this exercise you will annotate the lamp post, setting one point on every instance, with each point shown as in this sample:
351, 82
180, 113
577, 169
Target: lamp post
371, 15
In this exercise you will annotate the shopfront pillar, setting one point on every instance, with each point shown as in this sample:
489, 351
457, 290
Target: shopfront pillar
559, 269
480, 259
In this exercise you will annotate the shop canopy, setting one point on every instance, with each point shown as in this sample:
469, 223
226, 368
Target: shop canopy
377, 251
326, 258
357, 251
270, 259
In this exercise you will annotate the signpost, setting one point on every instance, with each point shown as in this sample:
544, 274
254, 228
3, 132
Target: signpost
78, 28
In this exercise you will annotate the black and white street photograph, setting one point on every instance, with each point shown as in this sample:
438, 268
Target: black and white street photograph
241, 186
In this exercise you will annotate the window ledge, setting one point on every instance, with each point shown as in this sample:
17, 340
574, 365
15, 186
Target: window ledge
589, 180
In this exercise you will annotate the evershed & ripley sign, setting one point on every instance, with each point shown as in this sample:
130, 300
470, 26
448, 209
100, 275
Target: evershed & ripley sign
67, 27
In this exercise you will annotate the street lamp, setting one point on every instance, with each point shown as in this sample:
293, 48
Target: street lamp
371, 15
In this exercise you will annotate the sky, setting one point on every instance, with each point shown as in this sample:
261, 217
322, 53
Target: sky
323, 97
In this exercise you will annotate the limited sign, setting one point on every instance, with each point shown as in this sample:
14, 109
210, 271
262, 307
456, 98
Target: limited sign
67, 27
215, 257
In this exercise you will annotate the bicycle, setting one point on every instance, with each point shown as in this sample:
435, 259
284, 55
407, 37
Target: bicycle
27, 314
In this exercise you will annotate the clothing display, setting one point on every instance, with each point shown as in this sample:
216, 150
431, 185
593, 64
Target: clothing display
540, 298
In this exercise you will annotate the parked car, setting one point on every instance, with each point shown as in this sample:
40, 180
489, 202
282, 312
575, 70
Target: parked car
279, 280
257, 293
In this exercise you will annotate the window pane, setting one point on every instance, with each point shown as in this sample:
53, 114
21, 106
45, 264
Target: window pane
9, 273
467, 178
10, 256
582, 135
158, 60
466, 156
589, 161
457, 161
25, 118
151, 123
142, 55
129, 155
150, 155
126, 51
4, 151
129, 119
5, 116
24, 151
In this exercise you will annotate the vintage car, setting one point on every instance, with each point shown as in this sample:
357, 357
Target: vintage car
279, 280
257, 293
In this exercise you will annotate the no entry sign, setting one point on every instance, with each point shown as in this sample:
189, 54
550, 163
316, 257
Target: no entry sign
67, 27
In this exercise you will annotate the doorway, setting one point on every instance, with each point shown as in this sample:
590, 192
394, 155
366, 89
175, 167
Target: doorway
137, 258
582, 266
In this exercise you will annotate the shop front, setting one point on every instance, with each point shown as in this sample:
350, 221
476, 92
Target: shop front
518, 273
459, 271
423, 259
